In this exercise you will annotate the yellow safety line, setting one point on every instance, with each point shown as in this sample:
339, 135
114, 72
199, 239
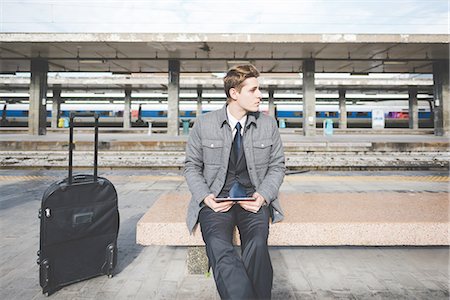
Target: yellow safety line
25, 178
367, 178
146, 178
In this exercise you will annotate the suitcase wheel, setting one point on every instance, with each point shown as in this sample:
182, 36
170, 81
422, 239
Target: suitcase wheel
110, 276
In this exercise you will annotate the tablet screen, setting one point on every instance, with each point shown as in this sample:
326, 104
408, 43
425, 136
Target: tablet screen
235, 199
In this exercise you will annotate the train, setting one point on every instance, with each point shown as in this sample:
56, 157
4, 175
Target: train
111, 115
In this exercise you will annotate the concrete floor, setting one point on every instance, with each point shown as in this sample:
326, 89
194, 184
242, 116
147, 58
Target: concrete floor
160, 272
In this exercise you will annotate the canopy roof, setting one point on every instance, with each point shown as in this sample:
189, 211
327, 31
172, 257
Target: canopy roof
198, 53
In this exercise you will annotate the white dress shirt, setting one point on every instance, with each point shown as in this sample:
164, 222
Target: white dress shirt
233, 121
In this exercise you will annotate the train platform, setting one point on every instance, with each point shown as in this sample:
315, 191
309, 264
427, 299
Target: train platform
161, 272
350, 149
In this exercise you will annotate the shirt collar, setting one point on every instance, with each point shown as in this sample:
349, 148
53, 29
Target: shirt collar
224, 117
233, 121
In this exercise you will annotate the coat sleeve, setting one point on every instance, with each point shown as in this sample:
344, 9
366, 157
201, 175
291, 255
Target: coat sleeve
193, 167
271, 183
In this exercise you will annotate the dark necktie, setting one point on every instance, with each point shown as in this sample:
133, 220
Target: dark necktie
237, 143
237, 190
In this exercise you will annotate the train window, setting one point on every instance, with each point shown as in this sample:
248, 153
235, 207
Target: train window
298, 114
332, 114
362, 114
162, 113
182, 113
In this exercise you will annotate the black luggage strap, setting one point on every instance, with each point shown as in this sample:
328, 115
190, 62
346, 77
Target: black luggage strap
71, 144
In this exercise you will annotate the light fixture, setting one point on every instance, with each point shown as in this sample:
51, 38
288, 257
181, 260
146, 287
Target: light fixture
394, 62
359, 74
91, 61
238, 62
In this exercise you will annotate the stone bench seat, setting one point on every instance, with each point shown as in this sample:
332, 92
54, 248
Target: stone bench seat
320, 219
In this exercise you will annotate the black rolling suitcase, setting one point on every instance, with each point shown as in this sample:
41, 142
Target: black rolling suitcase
79, 220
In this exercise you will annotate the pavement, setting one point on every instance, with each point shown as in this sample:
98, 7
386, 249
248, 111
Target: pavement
160, 272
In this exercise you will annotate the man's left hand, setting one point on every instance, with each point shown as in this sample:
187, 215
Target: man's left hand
255, 205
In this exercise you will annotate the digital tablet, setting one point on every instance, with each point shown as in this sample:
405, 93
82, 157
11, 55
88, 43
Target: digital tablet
235, 199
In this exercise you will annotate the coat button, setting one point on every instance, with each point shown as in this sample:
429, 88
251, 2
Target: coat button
262, 145
212, 145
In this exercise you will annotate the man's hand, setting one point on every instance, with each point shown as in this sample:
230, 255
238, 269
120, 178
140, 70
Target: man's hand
255, 205
217, 206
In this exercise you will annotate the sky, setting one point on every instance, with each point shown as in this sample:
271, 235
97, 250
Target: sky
227, 16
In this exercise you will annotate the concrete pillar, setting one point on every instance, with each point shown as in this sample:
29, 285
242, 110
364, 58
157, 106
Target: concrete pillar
199, 100
342, 110
37, 112
173, 94
56, 105
309, 98
271, 101
441, 98
413, 108
127, 108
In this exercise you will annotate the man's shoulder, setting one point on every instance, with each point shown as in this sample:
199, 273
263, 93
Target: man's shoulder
210, 116
265, 119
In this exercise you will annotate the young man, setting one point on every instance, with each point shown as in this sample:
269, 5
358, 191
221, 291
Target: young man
236, 152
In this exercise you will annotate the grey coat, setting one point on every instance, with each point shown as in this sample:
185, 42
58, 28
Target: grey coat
208, 151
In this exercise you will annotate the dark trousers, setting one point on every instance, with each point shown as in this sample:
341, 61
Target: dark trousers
246, 277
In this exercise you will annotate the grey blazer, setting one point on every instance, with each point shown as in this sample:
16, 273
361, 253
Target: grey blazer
208, 151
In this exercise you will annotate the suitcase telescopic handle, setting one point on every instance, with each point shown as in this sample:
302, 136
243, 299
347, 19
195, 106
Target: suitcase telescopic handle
71, 144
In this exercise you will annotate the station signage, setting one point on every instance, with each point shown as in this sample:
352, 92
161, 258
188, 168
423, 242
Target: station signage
378, 119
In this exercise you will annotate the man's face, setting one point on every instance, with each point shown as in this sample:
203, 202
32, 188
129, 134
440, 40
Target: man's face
250, 96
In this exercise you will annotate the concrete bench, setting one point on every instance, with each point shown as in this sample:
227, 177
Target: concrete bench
320, 219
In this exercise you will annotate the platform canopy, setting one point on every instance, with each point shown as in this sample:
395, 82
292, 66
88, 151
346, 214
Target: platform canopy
198, 53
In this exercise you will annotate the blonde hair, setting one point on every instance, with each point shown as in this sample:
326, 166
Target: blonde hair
236, 76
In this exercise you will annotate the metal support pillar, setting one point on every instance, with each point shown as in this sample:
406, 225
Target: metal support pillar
441, 98
127, 108
342, 110
173, 94
309, 98
199, 100
413, 108
56, 105
271, 101
37, 112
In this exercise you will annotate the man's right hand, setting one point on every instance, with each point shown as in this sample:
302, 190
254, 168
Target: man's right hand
217, 206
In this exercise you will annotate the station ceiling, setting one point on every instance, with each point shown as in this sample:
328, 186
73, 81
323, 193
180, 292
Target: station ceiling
206, 53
